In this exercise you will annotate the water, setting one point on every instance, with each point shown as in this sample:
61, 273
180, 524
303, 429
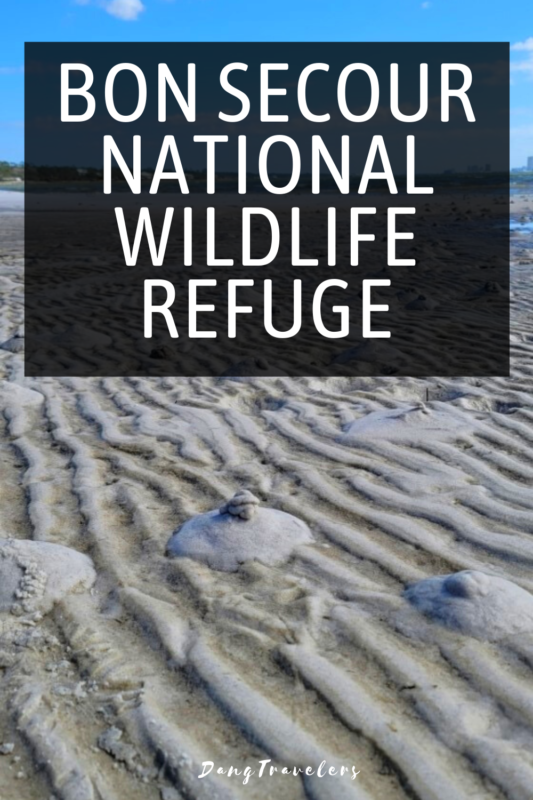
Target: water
11, 200
521, 227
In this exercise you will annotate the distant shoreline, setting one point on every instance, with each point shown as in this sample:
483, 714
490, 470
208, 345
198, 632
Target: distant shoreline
12, 186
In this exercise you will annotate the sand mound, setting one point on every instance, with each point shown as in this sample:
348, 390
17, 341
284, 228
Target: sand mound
13, 394
407, 295
408, 424
476, 604
14, 345
422, 303
35, 575
239, 531
490, 287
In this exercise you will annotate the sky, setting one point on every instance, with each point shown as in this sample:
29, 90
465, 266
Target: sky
277, 20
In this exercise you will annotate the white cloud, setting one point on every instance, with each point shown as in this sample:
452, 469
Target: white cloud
125, 9
527, 44
426, 4
524, 66
128, 10
11, 70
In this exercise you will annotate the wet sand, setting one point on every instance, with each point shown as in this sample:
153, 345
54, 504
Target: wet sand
138, 673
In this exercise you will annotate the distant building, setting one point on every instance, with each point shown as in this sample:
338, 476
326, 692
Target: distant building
530, 164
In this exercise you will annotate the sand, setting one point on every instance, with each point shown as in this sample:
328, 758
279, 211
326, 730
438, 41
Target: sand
336, 648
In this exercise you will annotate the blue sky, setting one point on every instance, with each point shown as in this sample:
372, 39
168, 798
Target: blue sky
276, 20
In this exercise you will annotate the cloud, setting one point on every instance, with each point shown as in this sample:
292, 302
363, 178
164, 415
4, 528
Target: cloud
11, 70
527, 44
128, 10
425, 5
522, 111
524, 66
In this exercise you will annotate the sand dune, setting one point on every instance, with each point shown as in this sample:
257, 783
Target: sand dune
122, 690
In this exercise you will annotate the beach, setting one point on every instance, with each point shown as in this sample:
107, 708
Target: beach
126, 671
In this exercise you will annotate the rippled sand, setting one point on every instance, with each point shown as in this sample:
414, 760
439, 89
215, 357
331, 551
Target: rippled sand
124, 690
